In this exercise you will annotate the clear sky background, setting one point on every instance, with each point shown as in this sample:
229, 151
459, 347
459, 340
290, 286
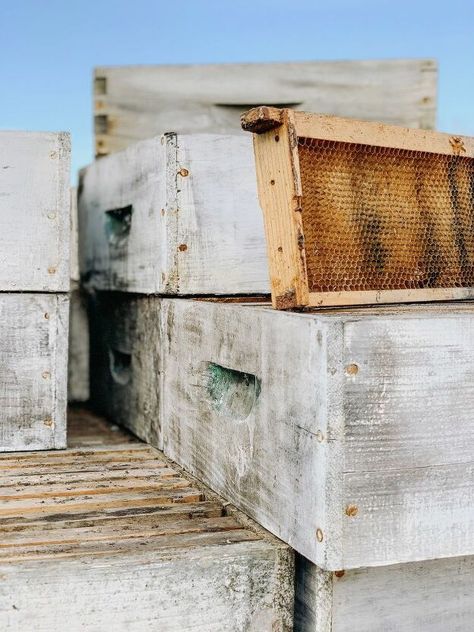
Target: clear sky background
49, 47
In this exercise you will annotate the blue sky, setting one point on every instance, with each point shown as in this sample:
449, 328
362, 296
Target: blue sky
49, 47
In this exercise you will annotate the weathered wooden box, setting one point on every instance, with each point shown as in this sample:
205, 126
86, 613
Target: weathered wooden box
174, 215
34, 211
363, 213
125, 360
348, 434
136, 102
432, 596
33, 371
115, 537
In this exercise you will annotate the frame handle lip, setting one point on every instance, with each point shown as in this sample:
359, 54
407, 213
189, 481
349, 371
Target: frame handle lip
262, 119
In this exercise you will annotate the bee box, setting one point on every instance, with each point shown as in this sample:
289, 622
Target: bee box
346, 433
358, 212
34, 212
33, 371
174, 215
115, 537
432, 596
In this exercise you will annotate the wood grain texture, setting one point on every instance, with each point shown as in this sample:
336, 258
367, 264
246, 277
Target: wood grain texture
136, 102
126, 356
344, 432
194, 223
33, 372
34, 211
78, 360
143, 550
432, 596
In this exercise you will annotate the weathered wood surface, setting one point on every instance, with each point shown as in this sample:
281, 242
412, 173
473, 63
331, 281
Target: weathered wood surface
34, 211
432, 596
347, 433
174, 215
383, 213
78, 361
141, 548
33, 371
125, 347
136, 102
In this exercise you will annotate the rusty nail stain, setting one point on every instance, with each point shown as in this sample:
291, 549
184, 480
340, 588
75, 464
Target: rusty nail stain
339, 573
319, 535
272, 181
182, 247
352, 369
45, 375
183, 172
352, 511
457, 145
48, 422
46, 315
51, 270
277, 138
163, 211
320, 436
280, 249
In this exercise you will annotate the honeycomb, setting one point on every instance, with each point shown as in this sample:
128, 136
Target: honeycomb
377, 218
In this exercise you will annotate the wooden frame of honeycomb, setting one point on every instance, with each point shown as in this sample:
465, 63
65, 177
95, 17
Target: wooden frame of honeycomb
363, 213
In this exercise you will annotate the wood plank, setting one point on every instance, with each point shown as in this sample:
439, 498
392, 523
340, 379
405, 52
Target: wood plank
34, 211
136, 102
432, 596
33, 371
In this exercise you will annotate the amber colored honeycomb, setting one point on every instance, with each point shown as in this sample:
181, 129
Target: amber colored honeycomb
376, 218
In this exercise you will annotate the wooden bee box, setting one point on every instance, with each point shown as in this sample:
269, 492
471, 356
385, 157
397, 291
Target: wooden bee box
133, 103
109, 535
359, 212
126, 351
34, 211
33, 371
174, 215
346, 433
433, 596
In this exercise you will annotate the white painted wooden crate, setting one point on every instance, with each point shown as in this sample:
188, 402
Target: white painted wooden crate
34, 211
126, 343
430, 596
136, 102
174, 215
33, 371
348, 434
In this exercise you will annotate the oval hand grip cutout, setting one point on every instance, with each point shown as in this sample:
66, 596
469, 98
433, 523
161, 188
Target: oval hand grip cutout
118, 223
232, 392
120, 366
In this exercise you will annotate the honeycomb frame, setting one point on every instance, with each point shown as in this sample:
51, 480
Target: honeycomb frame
363, 213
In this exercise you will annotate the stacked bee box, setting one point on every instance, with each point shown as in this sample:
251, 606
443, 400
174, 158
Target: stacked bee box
34, 286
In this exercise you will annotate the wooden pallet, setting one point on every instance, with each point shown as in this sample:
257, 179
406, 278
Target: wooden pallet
360, 213
113, 536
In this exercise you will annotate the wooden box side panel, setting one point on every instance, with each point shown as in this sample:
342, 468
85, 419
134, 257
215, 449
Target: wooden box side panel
240, 587
218, 240
120, 202
245, 411
78, 362
34, 211
136, 102
126, 356
409, 436
34, 371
